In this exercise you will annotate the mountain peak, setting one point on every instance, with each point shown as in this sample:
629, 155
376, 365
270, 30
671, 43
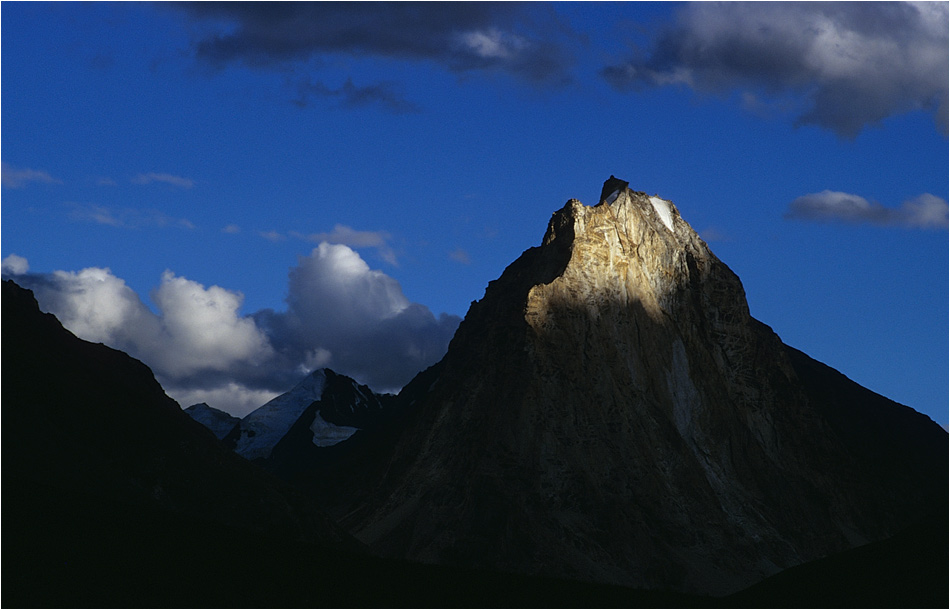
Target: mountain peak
611, 411
263, 428
612, 187
631, 247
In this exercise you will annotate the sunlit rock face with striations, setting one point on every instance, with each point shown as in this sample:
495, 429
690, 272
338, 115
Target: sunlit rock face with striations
610, 411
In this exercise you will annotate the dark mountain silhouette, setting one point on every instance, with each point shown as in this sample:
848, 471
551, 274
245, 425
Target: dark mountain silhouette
114, 497
90, 420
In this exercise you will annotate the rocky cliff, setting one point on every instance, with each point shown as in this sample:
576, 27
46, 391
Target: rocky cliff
610, 411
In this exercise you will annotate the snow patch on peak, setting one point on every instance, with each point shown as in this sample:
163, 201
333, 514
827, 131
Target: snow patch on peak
326, 434
612, 197
663, 210
263, 428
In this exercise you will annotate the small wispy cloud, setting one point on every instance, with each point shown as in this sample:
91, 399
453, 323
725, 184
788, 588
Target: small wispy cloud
126, 218
14, 178
350, 95
170, 179
347, 236
922, 212
231, 229
713, 234
460, 256
273, 236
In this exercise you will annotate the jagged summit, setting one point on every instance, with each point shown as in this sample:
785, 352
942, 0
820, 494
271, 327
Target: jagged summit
610, 411
635, 248
612, 187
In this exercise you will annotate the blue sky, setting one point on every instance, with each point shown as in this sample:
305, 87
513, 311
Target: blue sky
234, 194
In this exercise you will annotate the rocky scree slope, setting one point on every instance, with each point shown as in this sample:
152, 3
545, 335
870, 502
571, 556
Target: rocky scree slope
611, 412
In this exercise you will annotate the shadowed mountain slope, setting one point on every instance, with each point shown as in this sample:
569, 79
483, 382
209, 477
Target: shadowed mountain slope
114, 497
611, 412
90, 420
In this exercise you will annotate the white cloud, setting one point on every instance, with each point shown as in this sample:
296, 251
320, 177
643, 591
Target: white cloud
15, 265
170, 179
925, 211
340, 314
357, 318
196, 334
97, 306
333, 293
231, 397
231, 229
204, 329
11, 177
922, 212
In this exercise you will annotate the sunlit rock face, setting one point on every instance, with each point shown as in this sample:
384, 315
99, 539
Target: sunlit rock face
610, 411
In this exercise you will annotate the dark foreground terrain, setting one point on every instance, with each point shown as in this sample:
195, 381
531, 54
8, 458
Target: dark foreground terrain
65, 551
113, 497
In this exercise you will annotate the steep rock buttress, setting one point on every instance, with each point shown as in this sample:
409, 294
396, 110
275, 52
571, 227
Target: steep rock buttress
610, 411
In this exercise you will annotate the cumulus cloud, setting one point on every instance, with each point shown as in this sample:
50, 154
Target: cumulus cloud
197, 328
340, 314
11, 177
922, 212
852, 63
126, 218
461, 37
204, 329
14, 265
149, 178
347, 236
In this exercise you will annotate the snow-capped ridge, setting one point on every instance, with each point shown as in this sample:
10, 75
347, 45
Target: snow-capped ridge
331, 406
219, 422
262, 429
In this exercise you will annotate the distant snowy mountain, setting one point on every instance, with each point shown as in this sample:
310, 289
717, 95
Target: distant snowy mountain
215, 420
327, 407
